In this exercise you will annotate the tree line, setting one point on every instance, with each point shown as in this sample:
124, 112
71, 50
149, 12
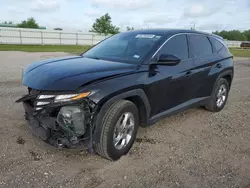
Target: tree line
103, 25
234, 35
29, 23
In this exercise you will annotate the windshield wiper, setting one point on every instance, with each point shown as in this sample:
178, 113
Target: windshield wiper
92, 57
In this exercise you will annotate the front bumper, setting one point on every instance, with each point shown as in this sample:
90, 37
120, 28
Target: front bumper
44, 125
39, 124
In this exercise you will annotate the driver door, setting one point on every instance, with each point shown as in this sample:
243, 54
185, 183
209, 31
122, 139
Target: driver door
172, 85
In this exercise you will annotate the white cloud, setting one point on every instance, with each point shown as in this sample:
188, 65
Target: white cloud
46, 5
74, 14
123, 4
15, 10
92, 12
211, 27
159, 19
198, 10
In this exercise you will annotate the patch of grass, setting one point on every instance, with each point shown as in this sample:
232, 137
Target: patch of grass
75, 49
238, 52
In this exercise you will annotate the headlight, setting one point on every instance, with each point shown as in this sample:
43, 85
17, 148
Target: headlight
72, 119
61, 98
45, 96
64, 98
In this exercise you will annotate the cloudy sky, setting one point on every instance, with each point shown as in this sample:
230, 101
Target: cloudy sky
208, 15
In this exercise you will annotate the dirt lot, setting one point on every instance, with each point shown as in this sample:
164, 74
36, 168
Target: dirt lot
193, 149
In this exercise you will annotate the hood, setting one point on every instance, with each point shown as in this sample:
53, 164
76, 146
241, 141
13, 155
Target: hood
70, 73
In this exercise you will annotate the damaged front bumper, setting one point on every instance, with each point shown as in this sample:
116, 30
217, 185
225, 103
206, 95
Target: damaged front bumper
62, 125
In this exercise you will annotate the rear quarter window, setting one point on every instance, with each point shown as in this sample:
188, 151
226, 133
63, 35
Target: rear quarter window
216, 43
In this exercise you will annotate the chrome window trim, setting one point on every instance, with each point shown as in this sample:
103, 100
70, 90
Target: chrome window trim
185, 34
166, 42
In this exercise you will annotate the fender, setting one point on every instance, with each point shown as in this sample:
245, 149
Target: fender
225, 73
222, 74
135, 92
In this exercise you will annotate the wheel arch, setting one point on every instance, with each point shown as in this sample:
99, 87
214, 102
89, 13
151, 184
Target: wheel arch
228, 75
137, 96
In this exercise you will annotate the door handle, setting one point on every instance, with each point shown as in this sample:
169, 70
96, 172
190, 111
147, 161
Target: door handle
188, 72
218, 65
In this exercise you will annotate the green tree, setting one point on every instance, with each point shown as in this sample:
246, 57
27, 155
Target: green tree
232, 35
130, 28
7, 22
29, 23
103, 25
247, 34
237, 35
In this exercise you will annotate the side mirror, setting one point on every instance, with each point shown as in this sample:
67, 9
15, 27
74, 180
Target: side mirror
167, 59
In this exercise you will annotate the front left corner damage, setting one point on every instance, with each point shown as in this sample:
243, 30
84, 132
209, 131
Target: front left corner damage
62, 126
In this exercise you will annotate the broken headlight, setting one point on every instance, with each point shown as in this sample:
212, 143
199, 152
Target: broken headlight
71, 119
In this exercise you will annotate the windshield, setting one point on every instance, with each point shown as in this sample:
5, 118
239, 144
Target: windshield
126, 47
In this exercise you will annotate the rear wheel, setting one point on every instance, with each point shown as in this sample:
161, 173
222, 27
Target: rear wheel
118, 130
219, 96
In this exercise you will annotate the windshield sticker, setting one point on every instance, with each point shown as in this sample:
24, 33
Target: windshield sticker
136, 56
145, 36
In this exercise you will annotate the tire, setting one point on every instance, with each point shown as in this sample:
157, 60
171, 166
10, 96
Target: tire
212, 104
104, 143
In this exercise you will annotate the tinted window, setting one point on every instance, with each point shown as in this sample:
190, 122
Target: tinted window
200, 45
176, 46
217, 44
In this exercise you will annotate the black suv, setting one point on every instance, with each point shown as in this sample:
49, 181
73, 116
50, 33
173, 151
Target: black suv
99, 99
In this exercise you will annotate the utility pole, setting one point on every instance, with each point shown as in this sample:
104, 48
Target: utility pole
193, 28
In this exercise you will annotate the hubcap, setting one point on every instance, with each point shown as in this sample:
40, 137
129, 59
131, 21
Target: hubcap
123, 130
221, 96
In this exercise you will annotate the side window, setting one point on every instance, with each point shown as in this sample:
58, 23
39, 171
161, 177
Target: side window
217, 44
176, 46
200, 45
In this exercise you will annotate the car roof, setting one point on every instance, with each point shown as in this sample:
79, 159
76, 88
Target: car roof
172, 32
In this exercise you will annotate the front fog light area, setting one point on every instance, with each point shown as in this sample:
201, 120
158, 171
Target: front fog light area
71, 119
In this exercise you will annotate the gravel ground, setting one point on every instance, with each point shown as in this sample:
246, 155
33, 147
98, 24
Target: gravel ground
193, 149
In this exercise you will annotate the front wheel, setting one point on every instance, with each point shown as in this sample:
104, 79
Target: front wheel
118, 130
219, 96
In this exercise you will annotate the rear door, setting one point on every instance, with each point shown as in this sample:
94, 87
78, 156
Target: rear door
202, 52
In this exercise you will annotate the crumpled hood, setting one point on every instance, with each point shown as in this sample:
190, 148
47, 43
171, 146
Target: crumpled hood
70, 73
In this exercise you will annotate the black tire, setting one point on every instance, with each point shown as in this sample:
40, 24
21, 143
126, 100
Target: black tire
211, 105
103, 143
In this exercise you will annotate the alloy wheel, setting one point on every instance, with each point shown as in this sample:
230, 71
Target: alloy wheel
123, 131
